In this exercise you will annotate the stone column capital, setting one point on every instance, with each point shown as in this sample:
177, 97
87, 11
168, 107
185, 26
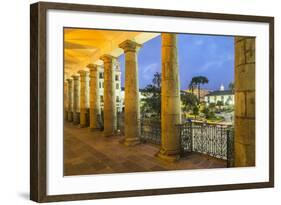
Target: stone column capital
106, 58
93, 67
130, 46
69, 80
75, 77
83, 73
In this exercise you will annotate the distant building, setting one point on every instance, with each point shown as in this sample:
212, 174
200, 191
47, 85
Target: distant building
117, 77
225, 96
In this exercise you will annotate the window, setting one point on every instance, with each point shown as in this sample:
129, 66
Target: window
101, 98
117, 85
101, 75
117, 77
117, 99
99, 84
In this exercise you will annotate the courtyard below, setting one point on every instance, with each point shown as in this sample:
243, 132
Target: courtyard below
87, 152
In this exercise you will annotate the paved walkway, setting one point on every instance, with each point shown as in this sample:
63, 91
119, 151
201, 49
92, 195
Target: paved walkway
87, 152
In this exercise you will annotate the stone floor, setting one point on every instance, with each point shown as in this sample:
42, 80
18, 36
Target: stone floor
87, 152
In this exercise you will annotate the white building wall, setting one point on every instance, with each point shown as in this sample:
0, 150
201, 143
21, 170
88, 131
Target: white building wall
224, 98
117, 78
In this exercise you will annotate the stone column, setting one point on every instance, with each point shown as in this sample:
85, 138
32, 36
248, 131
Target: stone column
65, 100
70, 100
110, 118
132, 108
94, 97
170, 100
84, 97
244, 140
76, 99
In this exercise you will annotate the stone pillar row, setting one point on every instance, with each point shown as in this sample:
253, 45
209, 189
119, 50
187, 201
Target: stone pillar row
84, 97
76, 99
95, 111
170, 99
132, 107
170, 92
109, 107
70, 100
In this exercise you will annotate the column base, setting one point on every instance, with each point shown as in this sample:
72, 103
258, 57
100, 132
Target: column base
111, 134
130, 141
82, 126
76, 118
93, 129
169, 157
69, 116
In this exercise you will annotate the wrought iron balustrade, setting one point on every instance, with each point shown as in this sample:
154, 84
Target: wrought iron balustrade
150, 131
210, 139
120, 123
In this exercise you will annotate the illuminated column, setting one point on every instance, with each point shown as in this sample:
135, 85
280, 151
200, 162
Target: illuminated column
76, 99
70, 100
110, 118
244, 140
132, 108
65, 99
170, 100
94, 97
84, 97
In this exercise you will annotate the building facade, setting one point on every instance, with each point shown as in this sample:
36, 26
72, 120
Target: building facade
117, 78
224, 96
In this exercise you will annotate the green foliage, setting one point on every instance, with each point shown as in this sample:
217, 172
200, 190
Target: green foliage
220, 104
209, 114
189, 100
212, 106
152, 92
195, 111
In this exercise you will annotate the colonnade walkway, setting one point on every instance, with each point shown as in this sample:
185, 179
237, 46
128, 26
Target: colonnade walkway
87, 152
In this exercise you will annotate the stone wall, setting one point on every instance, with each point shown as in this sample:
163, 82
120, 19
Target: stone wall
244, 101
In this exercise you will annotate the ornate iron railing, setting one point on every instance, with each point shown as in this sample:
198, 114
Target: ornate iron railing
120, 123
210, 139
150, 131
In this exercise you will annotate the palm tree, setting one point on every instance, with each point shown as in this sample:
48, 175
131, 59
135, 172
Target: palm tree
198, 81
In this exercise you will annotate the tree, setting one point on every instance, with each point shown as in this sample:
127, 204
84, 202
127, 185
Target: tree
195, 111
209, 114
198, 81
219, 103
189, 100
152, 93
191, 86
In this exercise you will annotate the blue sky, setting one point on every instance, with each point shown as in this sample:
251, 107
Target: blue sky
210, 56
